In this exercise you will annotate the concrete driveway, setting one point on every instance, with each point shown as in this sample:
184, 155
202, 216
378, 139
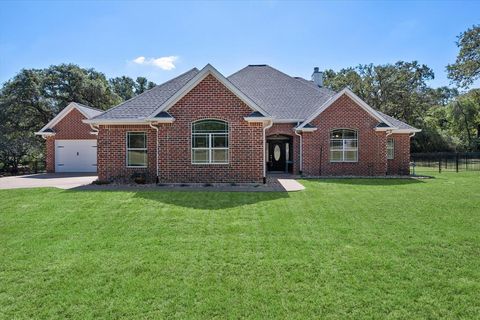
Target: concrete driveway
56, 180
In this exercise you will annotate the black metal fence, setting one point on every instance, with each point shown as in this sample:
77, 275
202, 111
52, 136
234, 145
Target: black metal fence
445, 161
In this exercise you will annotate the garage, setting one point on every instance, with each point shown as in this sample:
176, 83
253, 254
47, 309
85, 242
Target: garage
71, 144
75, 155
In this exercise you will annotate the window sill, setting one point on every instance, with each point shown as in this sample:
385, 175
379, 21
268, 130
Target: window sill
343, 161
209, 164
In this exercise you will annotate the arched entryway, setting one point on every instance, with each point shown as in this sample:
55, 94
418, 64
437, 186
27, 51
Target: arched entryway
279, 153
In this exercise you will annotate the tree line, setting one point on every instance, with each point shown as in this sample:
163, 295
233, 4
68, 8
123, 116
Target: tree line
449, 117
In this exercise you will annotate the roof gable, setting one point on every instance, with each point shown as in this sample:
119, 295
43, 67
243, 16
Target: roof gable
206, 71
86, 111
352, 96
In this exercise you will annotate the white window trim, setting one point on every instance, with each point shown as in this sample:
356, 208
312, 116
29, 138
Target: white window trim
134, 149
210, 148
392, 148
343, 147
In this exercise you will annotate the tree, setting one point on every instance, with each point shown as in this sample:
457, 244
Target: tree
68, 82
124, 87
466, 68
465, 120
151, 85
142, 85
21, 108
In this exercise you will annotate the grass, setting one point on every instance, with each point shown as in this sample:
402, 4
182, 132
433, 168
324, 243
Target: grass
385, 249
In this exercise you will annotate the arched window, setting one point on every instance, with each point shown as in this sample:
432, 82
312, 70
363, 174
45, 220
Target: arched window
210, 142
344, 145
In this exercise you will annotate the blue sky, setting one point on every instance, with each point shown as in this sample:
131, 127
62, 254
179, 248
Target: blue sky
291, 36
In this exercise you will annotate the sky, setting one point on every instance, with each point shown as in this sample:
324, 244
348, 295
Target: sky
160, 40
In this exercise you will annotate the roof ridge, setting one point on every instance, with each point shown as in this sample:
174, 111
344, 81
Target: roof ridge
237, 72
144, 92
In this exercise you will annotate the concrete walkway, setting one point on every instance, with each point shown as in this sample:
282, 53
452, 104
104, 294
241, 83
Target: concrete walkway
291, 185
56, 180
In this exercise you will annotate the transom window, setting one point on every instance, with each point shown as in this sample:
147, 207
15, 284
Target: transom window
344, 145
390, 148
210, 142
136, 149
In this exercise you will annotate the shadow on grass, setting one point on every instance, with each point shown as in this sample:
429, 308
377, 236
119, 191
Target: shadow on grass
369, 181
211, 200
198, 199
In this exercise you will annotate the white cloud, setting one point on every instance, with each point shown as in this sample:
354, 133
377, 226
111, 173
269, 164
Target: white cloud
164, 63
139, 60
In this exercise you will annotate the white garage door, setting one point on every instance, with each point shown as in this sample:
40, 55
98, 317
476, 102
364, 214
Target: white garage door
75, 155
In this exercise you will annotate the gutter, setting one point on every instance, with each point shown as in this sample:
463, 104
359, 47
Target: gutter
156, 153
95, 129
264, 145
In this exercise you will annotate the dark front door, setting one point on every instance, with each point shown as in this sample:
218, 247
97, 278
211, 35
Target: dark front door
276, 154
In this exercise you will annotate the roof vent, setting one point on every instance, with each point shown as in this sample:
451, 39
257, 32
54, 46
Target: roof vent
317, 77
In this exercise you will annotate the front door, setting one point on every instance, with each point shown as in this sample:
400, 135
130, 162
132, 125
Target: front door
276, 154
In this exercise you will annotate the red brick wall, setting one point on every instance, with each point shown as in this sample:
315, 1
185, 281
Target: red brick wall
112, 153
287, 129
400, 164
345, 113
211, 100
208, 100
70, 127
50, 154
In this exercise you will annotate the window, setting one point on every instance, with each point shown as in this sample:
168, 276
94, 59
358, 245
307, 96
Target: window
210, 142
390, 148
136, 149
344, 145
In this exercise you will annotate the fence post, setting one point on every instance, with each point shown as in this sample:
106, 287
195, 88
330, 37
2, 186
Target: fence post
440, 164
456, 161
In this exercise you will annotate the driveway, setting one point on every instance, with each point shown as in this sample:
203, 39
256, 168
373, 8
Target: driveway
56, 180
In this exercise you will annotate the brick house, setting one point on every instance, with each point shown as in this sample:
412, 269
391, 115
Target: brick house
204, 127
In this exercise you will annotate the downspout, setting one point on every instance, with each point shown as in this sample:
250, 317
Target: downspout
301, 151
264, 145
388, 133
156, 153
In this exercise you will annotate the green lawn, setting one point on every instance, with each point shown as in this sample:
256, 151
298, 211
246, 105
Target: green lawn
399, 249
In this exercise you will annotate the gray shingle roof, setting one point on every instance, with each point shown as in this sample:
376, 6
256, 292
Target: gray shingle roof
395, 122
279, 94
146, 103
89, 111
